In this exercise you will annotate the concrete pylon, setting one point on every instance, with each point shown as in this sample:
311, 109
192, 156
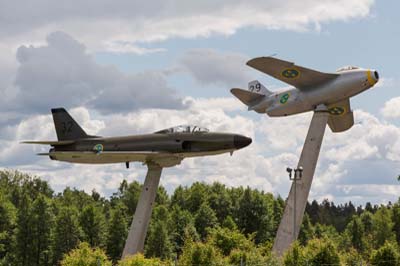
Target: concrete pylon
137, 233
308, 160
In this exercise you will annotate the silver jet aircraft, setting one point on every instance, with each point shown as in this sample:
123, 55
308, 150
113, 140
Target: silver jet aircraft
311, 89
166, 148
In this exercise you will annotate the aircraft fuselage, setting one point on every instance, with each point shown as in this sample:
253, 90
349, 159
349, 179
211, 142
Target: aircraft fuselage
139, 147
293, 101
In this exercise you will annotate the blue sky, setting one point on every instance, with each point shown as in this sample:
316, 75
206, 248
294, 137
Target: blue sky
370, 42
134, 67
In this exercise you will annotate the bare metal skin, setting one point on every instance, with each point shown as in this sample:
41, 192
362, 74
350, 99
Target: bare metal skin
311, 88
166, 147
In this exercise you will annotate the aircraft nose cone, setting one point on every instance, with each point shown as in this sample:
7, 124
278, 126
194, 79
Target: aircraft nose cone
373, 77
241, 141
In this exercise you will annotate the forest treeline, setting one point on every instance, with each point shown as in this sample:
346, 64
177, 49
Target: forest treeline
204, 224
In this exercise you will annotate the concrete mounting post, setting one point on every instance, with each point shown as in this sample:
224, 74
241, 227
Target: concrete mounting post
137, 233
308, 160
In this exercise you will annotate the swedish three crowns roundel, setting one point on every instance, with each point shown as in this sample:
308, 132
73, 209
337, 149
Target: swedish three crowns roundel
284, 98
290, 73
98, 148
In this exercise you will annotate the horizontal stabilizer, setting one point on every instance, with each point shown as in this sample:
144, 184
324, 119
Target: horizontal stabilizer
52, 143
247, 97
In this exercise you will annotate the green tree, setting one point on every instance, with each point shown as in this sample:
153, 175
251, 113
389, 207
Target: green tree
387, 255
220, 201
229, 223
66, 232
353, 258
117, 232
162, 197
382, 226
200, 254
251, 257
181, 221
8, 218
278, 206
367, 221
355, 230
140, 260
158, 242
73, 198
197, 196
24, 235
396, 221
86, 256
92, 222
306, 230
295, 256
130, 197
227, 240
205, 218
179, 197
42, 220
322, 252
253, 215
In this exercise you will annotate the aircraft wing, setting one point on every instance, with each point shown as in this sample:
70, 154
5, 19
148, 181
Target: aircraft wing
298, 76
341, 116
162, 158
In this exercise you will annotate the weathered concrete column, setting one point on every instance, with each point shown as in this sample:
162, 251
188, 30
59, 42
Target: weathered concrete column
308, 160
137, 233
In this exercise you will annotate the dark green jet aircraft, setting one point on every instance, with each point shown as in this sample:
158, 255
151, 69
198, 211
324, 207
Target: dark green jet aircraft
166, 147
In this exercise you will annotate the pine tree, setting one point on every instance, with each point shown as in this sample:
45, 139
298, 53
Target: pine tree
181, 222
220, 201
383, 225
205, 218
117, 232
66, 233
278, 212
24, 235
387, 255
396, 221
41, 223
355, 230
92, 222
158, 243
7, 225
306, 230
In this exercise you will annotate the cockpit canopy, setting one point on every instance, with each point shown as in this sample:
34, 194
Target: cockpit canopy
183, 129
345, 68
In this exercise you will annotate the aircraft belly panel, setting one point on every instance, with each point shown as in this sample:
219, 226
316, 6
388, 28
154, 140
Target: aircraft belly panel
204, 153
93, 158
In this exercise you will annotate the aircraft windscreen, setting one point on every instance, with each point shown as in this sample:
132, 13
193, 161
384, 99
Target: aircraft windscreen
183, 129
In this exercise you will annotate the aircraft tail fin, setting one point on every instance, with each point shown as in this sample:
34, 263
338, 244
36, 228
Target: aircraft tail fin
66, 127
256, 86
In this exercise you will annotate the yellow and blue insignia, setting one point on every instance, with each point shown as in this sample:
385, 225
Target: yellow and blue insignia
284, 98
290, 73
337, 110
98, 148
